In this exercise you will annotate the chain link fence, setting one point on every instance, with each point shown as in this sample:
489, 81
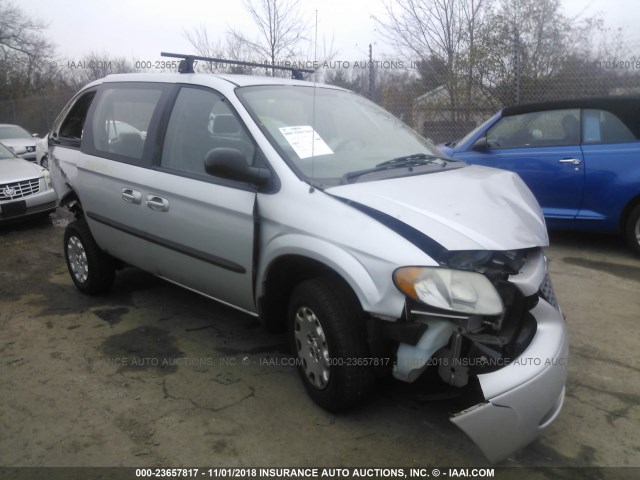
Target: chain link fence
35, 113
447, 112
436, 117
442, 112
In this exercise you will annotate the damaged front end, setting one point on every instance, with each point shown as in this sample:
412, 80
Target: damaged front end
488, 319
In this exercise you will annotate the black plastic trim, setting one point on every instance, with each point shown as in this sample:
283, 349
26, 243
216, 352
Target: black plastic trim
197, 254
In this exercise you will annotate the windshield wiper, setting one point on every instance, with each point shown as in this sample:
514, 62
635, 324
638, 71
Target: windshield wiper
414, 160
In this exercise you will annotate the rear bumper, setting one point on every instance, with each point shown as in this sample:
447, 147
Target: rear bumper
523, 398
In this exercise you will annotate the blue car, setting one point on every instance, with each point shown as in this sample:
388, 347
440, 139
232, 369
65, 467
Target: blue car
580, 158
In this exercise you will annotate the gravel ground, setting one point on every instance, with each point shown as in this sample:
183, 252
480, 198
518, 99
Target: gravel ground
154, 375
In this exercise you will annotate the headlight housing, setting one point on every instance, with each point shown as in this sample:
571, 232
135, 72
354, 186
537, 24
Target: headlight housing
449, 289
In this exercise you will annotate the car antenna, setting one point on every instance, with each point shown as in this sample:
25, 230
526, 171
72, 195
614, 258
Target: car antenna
187, 63
313, 109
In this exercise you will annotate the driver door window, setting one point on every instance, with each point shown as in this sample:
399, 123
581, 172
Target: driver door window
200, 122
536, 129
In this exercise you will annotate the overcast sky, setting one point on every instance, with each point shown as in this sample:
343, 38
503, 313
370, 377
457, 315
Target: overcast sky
140, 29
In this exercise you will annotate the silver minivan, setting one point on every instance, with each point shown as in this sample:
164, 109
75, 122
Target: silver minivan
315, 210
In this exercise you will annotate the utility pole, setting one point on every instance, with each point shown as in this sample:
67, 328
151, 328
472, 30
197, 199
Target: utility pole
370, 73
516, 62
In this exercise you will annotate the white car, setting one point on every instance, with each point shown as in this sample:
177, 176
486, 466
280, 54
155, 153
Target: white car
42, 151
19, 141
318, 212
25, 188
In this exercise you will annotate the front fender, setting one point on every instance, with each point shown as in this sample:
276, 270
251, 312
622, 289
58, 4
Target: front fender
381, 297
59, 178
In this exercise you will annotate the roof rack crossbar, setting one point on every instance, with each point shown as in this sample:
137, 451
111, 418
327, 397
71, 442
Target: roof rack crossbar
186, 66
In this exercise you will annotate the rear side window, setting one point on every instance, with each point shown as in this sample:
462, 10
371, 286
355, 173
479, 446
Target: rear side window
72, 126
121, 120
537, 129
601, 126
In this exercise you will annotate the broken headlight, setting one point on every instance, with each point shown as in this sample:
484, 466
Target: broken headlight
454, 290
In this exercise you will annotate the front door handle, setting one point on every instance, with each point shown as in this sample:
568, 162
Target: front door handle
132, 196
157, 203
573, 161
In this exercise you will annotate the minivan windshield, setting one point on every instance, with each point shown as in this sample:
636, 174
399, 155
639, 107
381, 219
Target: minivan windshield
333, 136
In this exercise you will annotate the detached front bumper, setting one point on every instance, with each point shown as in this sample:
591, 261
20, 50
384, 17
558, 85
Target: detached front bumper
523, 398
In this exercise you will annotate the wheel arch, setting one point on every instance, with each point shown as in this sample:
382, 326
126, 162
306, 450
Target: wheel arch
626, 211
286, 269
71, 200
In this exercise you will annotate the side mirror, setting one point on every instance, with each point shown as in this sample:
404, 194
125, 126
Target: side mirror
230, 163
480, 145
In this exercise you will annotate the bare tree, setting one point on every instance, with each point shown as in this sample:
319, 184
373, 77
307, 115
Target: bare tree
492, 52
231, 48
204, 46
24, 52
281, 29
439, 31
346, 78
533, 41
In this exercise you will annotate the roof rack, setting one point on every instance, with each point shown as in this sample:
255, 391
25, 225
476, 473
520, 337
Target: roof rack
186, 65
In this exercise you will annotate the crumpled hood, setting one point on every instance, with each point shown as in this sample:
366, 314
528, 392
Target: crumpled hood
468, 208
17, 169
19, 145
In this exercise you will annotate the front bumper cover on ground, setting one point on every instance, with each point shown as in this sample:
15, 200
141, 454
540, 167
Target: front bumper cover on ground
523, 398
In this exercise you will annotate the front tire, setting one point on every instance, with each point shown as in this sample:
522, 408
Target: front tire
633, 229
91, 269
328, 335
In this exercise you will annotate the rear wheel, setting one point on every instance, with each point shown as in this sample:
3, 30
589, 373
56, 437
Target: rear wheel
327, 334
633, 229
91, 269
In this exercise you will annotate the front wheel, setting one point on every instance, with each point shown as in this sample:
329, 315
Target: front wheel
327, 334
91, 269
633, 229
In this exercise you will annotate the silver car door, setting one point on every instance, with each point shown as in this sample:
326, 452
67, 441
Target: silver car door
111, 175
203, 226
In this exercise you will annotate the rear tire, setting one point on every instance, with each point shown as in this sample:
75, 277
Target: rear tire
328, 334
633, 229
91, 269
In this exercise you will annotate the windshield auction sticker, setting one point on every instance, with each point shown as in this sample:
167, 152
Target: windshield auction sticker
305, 141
